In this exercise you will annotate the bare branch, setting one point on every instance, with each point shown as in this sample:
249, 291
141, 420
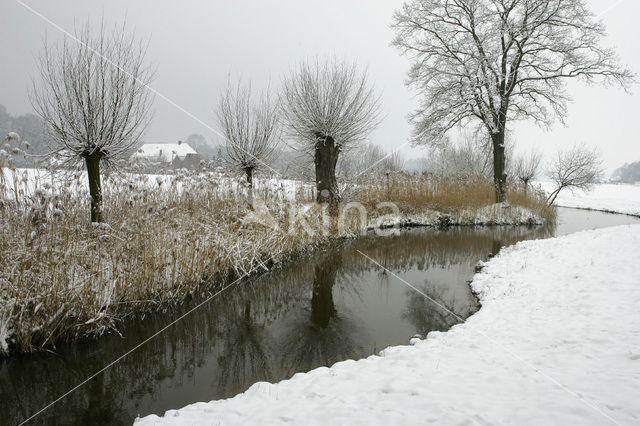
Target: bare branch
527, 166
94, 100
93, 95
499, 60
250, 127
576, 168
329, 99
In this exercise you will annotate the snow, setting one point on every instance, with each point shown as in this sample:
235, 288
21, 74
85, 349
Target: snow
27, 181
494, 214
164, 153
5, 329
555, 342
616, 198
12, 136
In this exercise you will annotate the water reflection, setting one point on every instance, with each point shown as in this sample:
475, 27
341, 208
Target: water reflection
324, 278
246, 351
314, 312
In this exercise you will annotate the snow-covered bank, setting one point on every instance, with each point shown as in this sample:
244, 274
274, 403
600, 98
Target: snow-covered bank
491, 215
556, 342
168, 236
615, 198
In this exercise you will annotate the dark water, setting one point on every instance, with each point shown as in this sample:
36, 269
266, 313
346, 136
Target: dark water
335, 306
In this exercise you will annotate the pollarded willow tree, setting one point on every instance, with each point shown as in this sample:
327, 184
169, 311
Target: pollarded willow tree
250, 128
494, 61
94, 100
526, 167
328, 107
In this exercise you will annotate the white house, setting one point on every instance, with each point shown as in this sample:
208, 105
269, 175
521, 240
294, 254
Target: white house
164, 152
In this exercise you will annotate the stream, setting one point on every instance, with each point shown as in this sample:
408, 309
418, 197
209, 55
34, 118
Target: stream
334, 306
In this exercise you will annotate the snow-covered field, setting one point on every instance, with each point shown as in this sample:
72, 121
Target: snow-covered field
557, 341
617, 198
24, 182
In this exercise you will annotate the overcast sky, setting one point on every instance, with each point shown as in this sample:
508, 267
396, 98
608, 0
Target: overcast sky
196, 45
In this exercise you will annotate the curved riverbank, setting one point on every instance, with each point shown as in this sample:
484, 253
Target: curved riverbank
553, 341
605, 197
62, 280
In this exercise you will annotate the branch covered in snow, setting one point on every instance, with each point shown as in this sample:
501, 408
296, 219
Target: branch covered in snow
250, 127
93, 94
576, 168
492, 61
330, 98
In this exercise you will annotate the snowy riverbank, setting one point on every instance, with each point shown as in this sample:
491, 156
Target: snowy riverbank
166, 237
615, 198
554, 343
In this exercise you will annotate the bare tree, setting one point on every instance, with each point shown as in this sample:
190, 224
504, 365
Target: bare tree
328, 108
393, 162
526, 167
576, 168
368, 159
94, 100
355, 162
492, 61
468, 157
250, 129
201, 145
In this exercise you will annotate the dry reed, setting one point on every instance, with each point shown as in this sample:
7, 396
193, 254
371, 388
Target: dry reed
168, 238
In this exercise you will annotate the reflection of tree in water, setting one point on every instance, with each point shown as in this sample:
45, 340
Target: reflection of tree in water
423, 248
325, 335
245, 358
232, 332
133, 385
384, 277
324, 278
28, 383
426, 315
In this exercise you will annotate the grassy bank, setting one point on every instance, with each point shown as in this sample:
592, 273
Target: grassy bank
168, 237
432, 200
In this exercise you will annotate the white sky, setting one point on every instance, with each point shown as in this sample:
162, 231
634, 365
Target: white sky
195, 45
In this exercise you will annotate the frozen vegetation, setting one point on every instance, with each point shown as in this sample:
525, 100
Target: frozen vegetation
554, 343
169, 237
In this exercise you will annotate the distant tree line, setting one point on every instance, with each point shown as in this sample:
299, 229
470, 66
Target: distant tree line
629, 173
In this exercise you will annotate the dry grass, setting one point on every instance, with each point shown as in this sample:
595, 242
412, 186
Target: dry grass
62, 278
417, 194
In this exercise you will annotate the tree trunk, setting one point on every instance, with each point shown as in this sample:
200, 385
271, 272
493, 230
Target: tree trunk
552, 197
326, 158
249, 172
499, 174
95, 188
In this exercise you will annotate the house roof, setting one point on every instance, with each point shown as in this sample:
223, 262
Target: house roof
164, 152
